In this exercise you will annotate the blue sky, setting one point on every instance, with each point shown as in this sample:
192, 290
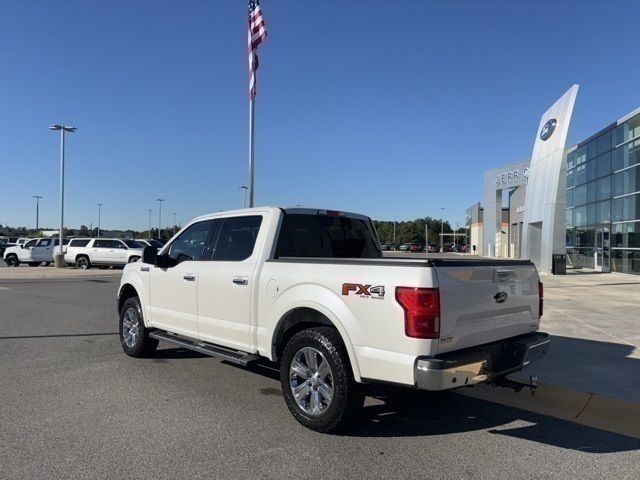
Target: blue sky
392, 109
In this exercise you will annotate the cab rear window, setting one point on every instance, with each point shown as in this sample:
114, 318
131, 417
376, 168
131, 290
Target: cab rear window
326, 236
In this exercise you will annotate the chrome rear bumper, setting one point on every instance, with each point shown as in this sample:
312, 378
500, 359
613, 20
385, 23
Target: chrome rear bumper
479, 364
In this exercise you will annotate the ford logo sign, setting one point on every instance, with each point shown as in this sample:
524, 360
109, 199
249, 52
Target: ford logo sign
548, 129
500, 297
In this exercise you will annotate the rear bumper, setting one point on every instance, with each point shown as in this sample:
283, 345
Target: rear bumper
480, 364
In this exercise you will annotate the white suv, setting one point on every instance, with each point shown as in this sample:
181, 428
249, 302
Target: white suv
85, 252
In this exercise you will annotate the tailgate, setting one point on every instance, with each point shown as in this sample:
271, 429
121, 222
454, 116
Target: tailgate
486, 301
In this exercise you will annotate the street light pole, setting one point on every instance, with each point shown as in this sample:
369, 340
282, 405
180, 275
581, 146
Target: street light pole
442, 209
150, 224
99, 212
174, 223
244, 189
59, 258
37, 197
159, 200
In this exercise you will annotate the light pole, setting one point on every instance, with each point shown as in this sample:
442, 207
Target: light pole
150, 223
99, 212
244, 189
159, 200
174, 223
37, 197
442, 209
59, 257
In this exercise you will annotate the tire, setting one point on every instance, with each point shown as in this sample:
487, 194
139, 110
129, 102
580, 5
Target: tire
134, 336
83, 262
133, 259
46, 264
12, 260
34, 264
317, 410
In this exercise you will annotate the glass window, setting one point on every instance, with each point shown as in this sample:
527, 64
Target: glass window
133, 244
591, 192
591, 213
580, 174
328, 236
571, 179
580, 195
625, 261
581, 155
616, 184
603, 188
571, 160
603, 143
603, 212
193, 243
100, 244
591, 150
45, 242
631, 207
79, 242
628, 130
570, 198
626, 155
237, 238
580, 216
31, 243
569, 219
616, 210
603, 165
591, 171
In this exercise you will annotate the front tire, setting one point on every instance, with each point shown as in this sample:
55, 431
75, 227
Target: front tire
12, 261
133, 259
317, 381
83, 262
134, 336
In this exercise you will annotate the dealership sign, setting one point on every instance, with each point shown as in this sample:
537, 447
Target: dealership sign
547, 129
515, 176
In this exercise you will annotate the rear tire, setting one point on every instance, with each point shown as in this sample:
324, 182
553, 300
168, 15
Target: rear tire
316, 365
83, 262
133, 259
46, 264
134, 336
12, 260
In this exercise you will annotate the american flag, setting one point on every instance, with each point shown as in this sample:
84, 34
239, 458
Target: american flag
257, 33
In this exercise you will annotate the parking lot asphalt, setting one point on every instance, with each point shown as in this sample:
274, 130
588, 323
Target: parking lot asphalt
72, 405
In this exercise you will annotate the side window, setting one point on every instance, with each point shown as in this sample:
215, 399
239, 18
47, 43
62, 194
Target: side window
237, 238
79, 243
44, 243
119, 244
193, 243
31, 243
101, 244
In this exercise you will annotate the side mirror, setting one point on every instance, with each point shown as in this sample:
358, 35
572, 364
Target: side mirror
150, 255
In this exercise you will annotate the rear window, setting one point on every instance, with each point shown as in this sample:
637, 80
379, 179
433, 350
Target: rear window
79, 243
326, 236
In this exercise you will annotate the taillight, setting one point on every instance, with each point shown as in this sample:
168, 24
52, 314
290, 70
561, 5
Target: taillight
540, 297
421, 311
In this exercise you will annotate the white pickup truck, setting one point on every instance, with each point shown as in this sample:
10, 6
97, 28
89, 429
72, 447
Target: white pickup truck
309, 289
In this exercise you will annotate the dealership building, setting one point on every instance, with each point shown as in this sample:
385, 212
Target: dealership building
581, 200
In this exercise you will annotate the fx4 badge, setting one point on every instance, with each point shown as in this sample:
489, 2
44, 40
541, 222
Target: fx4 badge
363, 291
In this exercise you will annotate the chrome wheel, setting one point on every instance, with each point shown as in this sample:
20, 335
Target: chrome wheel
130, 327
82, 263
311, 381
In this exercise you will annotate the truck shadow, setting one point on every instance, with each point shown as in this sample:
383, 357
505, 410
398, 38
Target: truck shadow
398, 412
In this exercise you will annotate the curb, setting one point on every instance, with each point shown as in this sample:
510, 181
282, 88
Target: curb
589, 409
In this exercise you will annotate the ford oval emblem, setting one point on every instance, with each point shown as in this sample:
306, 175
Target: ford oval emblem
500, 297
548, 129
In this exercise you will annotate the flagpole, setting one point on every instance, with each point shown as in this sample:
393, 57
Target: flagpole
252, 110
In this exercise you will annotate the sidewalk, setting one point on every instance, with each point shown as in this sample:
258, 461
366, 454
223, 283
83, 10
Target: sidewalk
24, 272
591, 374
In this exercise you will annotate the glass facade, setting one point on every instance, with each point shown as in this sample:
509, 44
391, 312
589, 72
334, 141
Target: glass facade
603, 200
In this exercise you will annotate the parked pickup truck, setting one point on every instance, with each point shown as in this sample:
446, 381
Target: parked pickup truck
310, 290
34, 252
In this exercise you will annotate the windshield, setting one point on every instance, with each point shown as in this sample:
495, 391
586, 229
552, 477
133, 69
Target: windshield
133, 244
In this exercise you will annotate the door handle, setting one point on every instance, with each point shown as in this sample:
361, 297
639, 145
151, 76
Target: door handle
189, 277
240, 281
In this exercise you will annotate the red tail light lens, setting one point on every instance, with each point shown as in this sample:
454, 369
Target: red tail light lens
421, 311
541, 297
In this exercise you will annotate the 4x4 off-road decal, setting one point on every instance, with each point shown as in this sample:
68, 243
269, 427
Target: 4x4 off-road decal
363, 291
